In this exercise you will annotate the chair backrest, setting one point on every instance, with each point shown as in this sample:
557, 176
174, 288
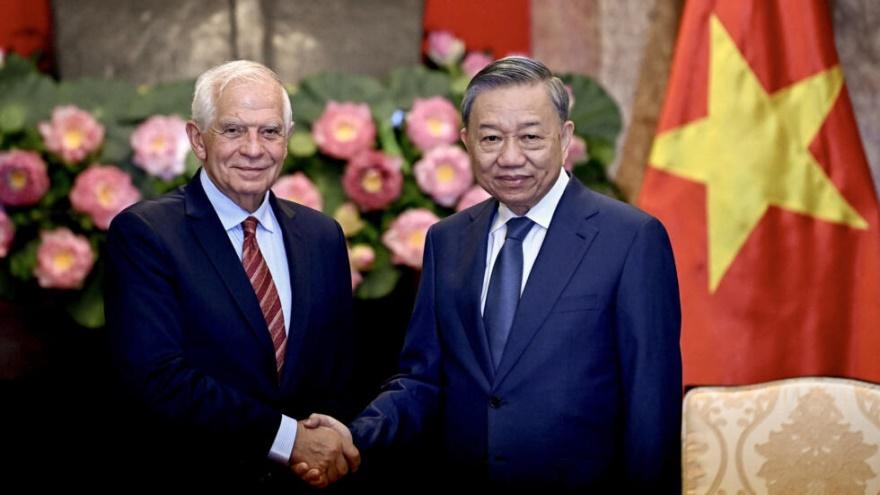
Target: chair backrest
797, 436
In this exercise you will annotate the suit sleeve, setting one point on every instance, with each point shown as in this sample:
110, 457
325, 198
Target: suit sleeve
649, 324
409, 400
144, 323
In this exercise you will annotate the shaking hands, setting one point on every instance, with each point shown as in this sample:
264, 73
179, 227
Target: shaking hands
323, 451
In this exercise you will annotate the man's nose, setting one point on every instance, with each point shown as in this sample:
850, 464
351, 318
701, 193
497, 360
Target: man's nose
251, 145
511, 154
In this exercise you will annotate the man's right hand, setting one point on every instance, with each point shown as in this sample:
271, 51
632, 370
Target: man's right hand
352, 456
321, 449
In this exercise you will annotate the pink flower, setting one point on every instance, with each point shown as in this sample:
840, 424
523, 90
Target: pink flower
432, 122
72, 134
473, 196
298, 188
160, 146
444, 48
444, 173
362, 257
23, 178
102, 191
344, 129
577, 152
7, 233
373, 180
356, 278
406, 236
475, 62
63, 259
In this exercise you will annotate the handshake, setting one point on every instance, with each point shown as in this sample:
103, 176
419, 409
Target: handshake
323, 451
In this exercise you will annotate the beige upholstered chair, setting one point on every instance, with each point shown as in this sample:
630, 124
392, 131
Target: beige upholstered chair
797, 436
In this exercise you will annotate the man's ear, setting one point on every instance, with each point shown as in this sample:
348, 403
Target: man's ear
462, 134
567, 133
196, 141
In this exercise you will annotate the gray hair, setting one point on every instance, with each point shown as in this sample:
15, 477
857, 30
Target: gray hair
514, 71
211, 84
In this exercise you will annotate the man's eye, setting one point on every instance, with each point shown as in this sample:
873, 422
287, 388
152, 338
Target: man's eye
272, 133
531, 137
232, 131
491, 139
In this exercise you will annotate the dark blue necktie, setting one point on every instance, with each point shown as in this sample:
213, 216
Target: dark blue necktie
504, 287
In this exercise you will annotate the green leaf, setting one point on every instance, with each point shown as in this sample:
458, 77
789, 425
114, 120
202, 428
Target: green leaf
88, 309
328, 179
405, 84
380, 281
595, 114
105, 99
601, 150
117, 147
315, 91
161, 99
22, 263
34, 94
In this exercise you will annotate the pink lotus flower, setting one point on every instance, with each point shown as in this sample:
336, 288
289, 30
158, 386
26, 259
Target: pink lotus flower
23, 178
299, 189
473, 196
406, 236
344, 129
373, 180
102, 191
475, 62
362, 257
7, 233
356, 278
444, 173
444, 48
432, 122
577, 152
160, 146
63, 259
72, 134
349, 219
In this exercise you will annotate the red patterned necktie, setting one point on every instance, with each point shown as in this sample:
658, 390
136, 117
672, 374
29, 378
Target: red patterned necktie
258, 272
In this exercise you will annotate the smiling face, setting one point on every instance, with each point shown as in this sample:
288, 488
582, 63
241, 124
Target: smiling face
516, 143
244, 148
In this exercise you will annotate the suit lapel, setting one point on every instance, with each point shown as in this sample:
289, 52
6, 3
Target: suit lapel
298, 267
214, 241
567, 240
469, 282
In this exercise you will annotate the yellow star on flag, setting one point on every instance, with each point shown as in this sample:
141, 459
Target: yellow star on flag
751, 152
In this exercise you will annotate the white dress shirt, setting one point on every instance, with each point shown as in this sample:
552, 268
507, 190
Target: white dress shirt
271, 242
541, 214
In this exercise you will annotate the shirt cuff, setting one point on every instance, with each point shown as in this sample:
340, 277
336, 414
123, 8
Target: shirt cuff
282, 447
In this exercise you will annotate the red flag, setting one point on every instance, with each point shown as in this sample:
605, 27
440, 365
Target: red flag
759, 175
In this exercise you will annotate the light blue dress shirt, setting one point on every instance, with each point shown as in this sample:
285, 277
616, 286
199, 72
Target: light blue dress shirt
271, 242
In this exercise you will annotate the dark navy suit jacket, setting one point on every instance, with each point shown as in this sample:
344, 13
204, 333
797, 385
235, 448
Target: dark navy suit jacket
191, 343
588, 391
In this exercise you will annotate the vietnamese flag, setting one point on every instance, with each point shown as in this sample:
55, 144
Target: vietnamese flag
759, 175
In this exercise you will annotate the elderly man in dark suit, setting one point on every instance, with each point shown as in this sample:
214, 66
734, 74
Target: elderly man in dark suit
545, 336
229, 310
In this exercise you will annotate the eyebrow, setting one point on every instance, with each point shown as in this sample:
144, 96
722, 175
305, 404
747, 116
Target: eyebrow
524, 125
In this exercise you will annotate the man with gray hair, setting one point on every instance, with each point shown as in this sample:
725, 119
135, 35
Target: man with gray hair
545, 336
229, 309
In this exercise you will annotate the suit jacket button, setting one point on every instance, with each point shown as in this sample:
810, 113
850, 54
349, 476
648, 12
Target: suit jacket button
495, 402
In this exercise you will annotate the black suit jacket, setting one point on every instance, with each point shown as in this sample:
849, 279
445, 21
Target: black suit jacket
192, 347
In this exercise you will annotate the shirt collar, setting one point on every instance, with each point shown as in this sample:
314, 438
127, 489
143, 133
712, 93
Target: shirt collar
542, 212
231, 215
